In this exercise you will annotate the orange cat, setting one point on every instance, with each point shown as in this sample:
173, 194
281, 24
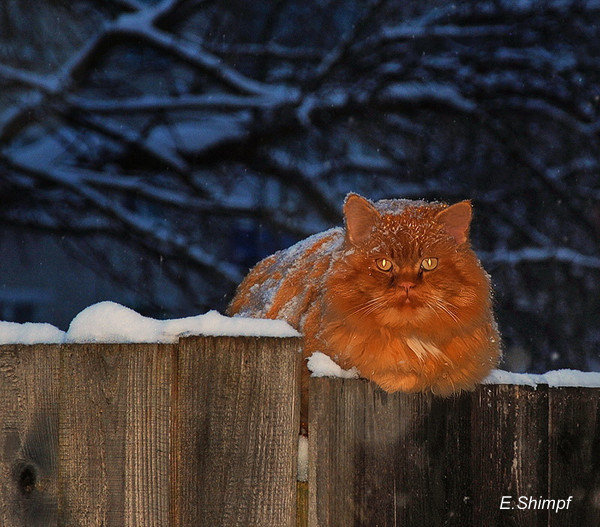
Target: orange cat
398, 293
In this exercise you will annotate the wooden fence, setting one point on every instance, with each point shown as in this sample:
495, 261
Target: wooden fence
204, 432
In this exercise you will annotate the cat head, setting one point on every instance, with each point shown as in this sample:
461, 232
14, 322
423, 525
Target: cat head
409, 264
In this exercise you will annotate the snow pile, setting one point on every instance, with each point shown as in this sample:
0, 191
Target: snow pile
111, 322
30, 333
551, 378
591, 379
508, 377
322, 365
302, 458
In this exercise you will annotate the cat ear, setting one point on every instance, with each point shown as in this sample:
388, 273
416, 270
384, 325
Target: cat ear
456, 220
361, 216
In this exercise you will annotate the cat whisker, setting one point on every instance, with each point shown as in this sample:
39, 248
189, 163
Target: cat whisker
368, 307
358, 310
375, 306
441, 305
365, 311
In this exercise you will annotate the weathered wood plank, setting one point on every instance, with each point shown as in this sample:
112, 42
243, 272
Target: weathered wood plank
302, 504
236, 432
206, 434
28, 435
114, 438
509, 426
335, 425
386, 459
574, 456
450, 449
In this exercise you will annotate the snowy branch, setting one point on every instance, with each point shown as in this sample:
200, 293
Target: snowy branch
526, 255
145, 228
148, 104
297, 176
340, 52
45, 84
270, 50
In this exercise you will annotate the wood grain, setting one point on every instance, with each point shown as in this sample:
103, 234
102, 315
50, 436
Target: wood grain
236, 432
509, 435
29, 435
205, 433
114, 437
386, 459
302, 504
574, 455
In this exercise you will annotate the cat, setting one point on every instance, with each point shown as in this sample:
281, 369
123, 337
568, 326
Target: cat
398, 293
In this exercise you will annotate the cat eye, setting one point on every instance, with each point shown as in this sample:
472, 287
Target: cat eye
383, 264
429, 264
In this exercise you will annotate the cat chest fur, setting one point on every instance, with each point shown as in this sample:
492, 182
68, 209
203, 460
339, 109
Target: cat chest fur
400, 362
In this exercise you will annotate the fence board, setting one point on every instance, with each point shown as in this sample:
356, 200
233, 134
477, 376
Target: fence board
205, 433
574, 454
509, 426
379, 459
28, 435
114, 434
237, 422
450, 450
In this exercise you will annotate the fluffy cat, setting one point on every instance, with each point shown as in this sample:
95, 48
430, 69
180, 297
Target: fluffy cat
399, 294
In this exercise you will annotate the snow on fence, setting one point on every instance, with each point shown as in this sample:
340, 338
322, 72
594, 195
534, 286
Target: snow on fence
204, 432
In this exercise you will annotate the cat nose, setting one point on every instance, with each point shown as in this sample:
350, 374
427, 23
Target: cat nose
407, 285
